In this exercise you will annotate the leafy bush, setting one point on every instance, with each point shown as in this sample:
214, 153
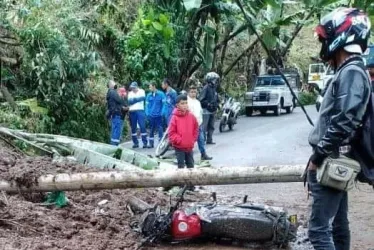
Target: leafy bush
307, 98
151, 49
60, 58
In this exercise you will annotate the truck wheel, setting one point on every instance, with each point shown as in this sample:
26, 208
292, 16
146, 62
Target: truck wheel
248, 111
289, 110
278, 110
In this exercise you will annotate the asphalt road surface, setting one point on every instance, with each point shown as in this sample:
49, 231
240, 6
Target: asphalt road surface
264, 140
282, 140
260, 140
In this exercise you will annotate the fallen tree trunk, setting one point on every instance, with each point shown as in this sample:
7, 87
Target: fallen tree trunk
160, 178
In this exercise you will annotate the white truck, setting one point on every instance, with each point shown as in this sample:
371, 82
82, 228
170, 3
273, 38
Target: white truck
272, 93
316, 75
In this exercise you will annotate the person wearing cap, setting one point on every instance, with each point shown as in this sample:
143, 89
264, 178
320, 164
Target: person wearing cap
343, 35
136, 98
115, 112
154, 105
171, 97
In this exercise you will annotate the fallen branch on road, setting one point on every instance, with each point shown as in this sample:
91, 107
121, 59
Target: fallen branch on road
159, 178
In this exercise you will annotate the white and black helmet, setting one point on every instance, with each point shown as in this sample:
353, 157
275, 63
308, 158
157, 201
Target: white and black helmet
347, 28
212, 78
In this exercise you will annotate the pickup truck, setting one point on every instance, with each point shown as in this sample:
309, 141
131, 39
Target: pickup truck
272, 93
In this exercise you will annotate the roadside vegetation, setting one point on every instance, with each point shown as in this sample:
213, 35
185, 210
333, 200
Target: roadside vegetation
57, 56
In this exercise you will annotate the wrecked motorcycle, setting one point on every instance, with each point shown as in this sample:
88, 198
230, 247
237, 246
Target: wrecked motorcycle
244, 222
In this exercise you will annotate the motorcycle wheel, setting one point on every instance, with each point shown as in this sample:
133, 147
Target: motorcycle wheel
163, 146
222, 126
231, 126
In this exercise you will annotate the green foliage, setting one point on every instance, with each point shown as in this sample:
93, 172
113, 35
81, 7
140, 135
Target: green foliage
307, 98
57, 198
150, 46
72, 47
59, 59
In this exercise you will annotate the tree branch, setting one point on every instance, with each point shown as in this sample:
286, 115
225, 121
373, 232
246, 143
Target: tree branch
7, 42
250, 47
231, 36
296, 31
8, 60
195, 67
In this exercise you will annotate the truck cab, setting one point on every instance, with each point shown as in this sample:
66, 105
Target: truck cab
316, 75
272, 93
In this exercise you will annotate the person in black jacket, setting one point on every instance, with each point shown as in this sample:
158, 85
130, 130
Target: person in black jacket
209, 102
344, 36
117, 108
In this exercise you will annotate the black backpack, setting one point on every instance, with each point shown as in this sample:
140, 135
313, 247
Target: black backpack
363, 141
363, 145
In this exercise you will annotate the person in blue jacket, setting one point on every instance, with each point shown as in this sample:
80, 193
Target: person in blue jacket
136, 99
154, 104
171, 97
115, 113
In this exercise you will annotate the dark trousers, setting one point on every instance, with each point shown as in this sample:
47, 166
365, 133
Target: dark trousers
208, 126
155, 124
328, 225
184, 158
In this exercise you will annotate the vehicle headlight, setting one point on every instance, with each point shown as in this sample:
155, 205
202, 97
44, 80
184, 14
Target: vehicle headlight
274, 96
249, 95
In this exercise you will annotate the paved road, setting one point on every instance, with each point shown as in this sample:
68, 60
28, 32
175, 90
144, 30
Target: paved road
261, 140
269, 140
264, 140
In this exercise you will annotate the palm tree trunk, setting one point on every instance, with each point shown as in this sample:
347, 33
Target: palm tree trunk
158, 178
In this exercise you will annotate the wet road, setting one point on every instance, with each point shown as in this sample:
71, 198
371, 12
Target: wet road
264, 140
261, 140
270, 140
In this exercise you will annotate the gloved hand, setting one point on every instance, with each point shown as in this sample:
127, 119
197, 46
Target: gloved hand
312, 166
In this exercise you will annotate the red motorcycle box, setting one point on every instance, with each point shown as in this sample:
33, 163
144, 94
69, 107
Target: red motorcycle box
185, 226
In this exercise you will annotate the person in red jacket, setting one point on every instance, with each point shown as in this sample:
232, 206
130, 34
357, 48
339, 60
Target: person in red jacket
183, 132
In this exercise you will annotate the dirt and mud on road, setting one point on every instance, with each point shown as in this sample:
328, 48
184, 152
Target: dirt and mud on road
94, 220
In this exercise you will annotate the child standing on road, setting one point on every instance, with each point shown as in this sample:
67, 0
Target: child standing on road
183, 132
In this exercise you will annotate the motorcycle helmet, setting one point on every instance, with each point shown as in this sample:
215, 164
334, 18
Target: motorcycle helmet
212, 78
347, 28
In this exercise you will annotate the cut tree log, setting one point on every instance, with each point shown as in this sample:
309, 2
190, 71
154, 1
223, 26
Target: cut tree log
160, 178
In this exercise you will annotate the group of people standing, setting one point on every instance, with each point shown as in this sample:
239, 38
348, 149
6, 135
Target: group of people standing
157, 108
